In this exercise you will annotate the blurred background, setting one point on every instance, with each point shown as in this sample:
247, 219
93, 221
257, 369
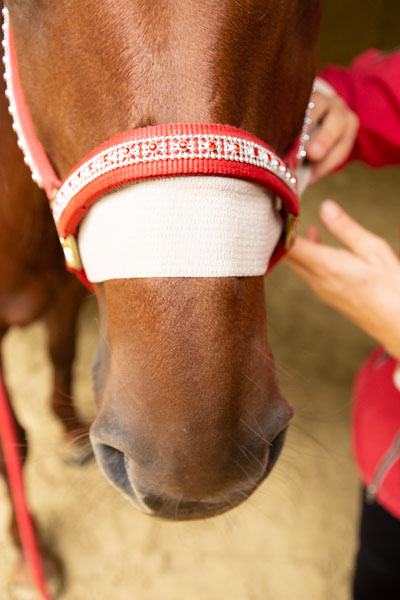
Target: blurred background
296, 537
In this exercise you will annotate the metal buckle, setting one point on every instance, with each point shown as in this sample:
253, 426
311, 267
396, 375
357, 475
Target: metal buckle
289, 230
71, 252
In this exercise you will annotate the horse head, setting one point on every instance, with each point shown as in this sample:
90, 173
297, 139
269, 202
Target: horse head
190, 419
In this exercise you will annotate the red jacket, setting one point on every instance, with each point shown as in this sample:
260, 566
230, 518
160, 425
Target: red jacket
371, 87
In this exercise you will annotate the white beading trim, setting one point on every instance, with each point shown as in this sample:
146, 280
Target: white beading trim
12, 107
305, 135
193, 226
162, 148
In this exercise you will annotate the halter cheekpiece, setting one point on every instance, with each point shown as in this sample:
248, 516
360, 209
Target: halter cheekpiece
151, 152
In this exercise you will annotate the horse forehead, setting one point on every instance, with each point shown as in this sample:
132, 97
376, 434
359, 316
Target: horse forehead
179, 63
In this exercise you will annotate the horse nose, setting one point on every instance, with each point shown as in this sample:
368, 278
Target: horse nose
180, 509
116, 466
175, 491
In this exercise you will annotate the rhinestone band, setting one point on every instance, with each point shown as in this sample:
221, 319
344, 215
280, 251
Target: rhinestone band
305, 136
166, 148
12, 107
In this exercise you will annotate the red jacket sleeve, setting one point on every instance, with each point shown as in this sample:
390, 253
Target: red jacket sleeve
371, 88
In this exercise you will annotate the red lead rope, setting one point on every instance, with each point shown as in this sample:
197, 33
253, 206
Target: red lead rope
12, 456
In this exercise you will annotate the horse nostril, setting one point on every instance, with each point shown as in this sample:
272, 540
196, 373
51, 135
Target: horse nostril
275, 450
112, 462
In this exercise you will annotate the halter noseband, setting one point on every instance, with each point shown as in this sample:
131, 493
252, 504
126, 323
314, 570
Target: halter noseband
157, 151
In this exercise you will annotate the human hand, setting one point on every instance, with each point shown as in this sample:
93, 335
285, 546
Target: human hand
333, 131
362, 280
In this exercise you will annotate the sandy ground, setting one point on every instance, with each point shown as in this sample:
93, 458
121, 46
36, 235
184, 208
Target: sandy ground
296, 537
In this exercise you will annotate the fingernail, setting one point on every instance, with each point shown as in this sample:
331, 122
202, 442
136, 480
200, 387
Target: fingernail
330, 210
316, 150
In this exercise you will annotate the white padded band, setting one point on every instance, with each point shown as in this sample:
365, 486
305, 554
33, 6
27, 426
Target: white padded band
180, 227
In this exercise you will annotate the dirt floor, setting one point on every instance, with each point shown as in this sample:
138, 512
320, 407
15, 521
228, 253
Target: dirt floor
296, 537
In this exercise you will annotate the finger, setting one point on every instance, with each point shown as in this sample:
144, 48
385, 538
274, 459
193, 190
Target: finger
321, 107
359, 240
332, 129
325, 262
333, 159
313, 234
331, 290
301, 271
339, 152
315, 258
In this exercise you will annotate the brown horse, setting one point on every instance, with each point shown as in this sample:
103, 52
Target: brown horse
190, 419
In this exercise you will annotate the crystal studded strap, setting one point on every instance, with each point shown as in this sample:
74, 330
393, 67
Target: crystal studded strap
171, 150
34, 155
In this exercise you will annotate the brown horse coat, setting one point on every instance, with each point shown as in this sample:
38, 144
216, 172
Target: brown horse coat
187, 398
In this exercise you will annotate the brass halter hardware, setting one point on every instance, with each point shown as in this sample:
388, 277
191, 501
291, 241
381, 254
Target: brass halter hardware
71, 252
289, 230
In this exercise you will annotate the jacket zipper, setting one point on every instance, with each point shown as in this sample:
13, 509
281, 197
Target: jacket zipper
387, 462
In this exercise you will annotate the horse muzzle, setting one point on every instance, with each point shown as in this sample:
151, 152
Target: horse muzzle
174, 486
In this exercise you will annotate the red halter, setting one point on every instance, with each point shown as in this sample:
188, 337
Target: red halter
165, 150
161, 151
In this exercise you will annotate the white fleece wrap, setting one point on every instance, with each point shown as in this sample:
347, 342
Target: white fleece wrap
180, 227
